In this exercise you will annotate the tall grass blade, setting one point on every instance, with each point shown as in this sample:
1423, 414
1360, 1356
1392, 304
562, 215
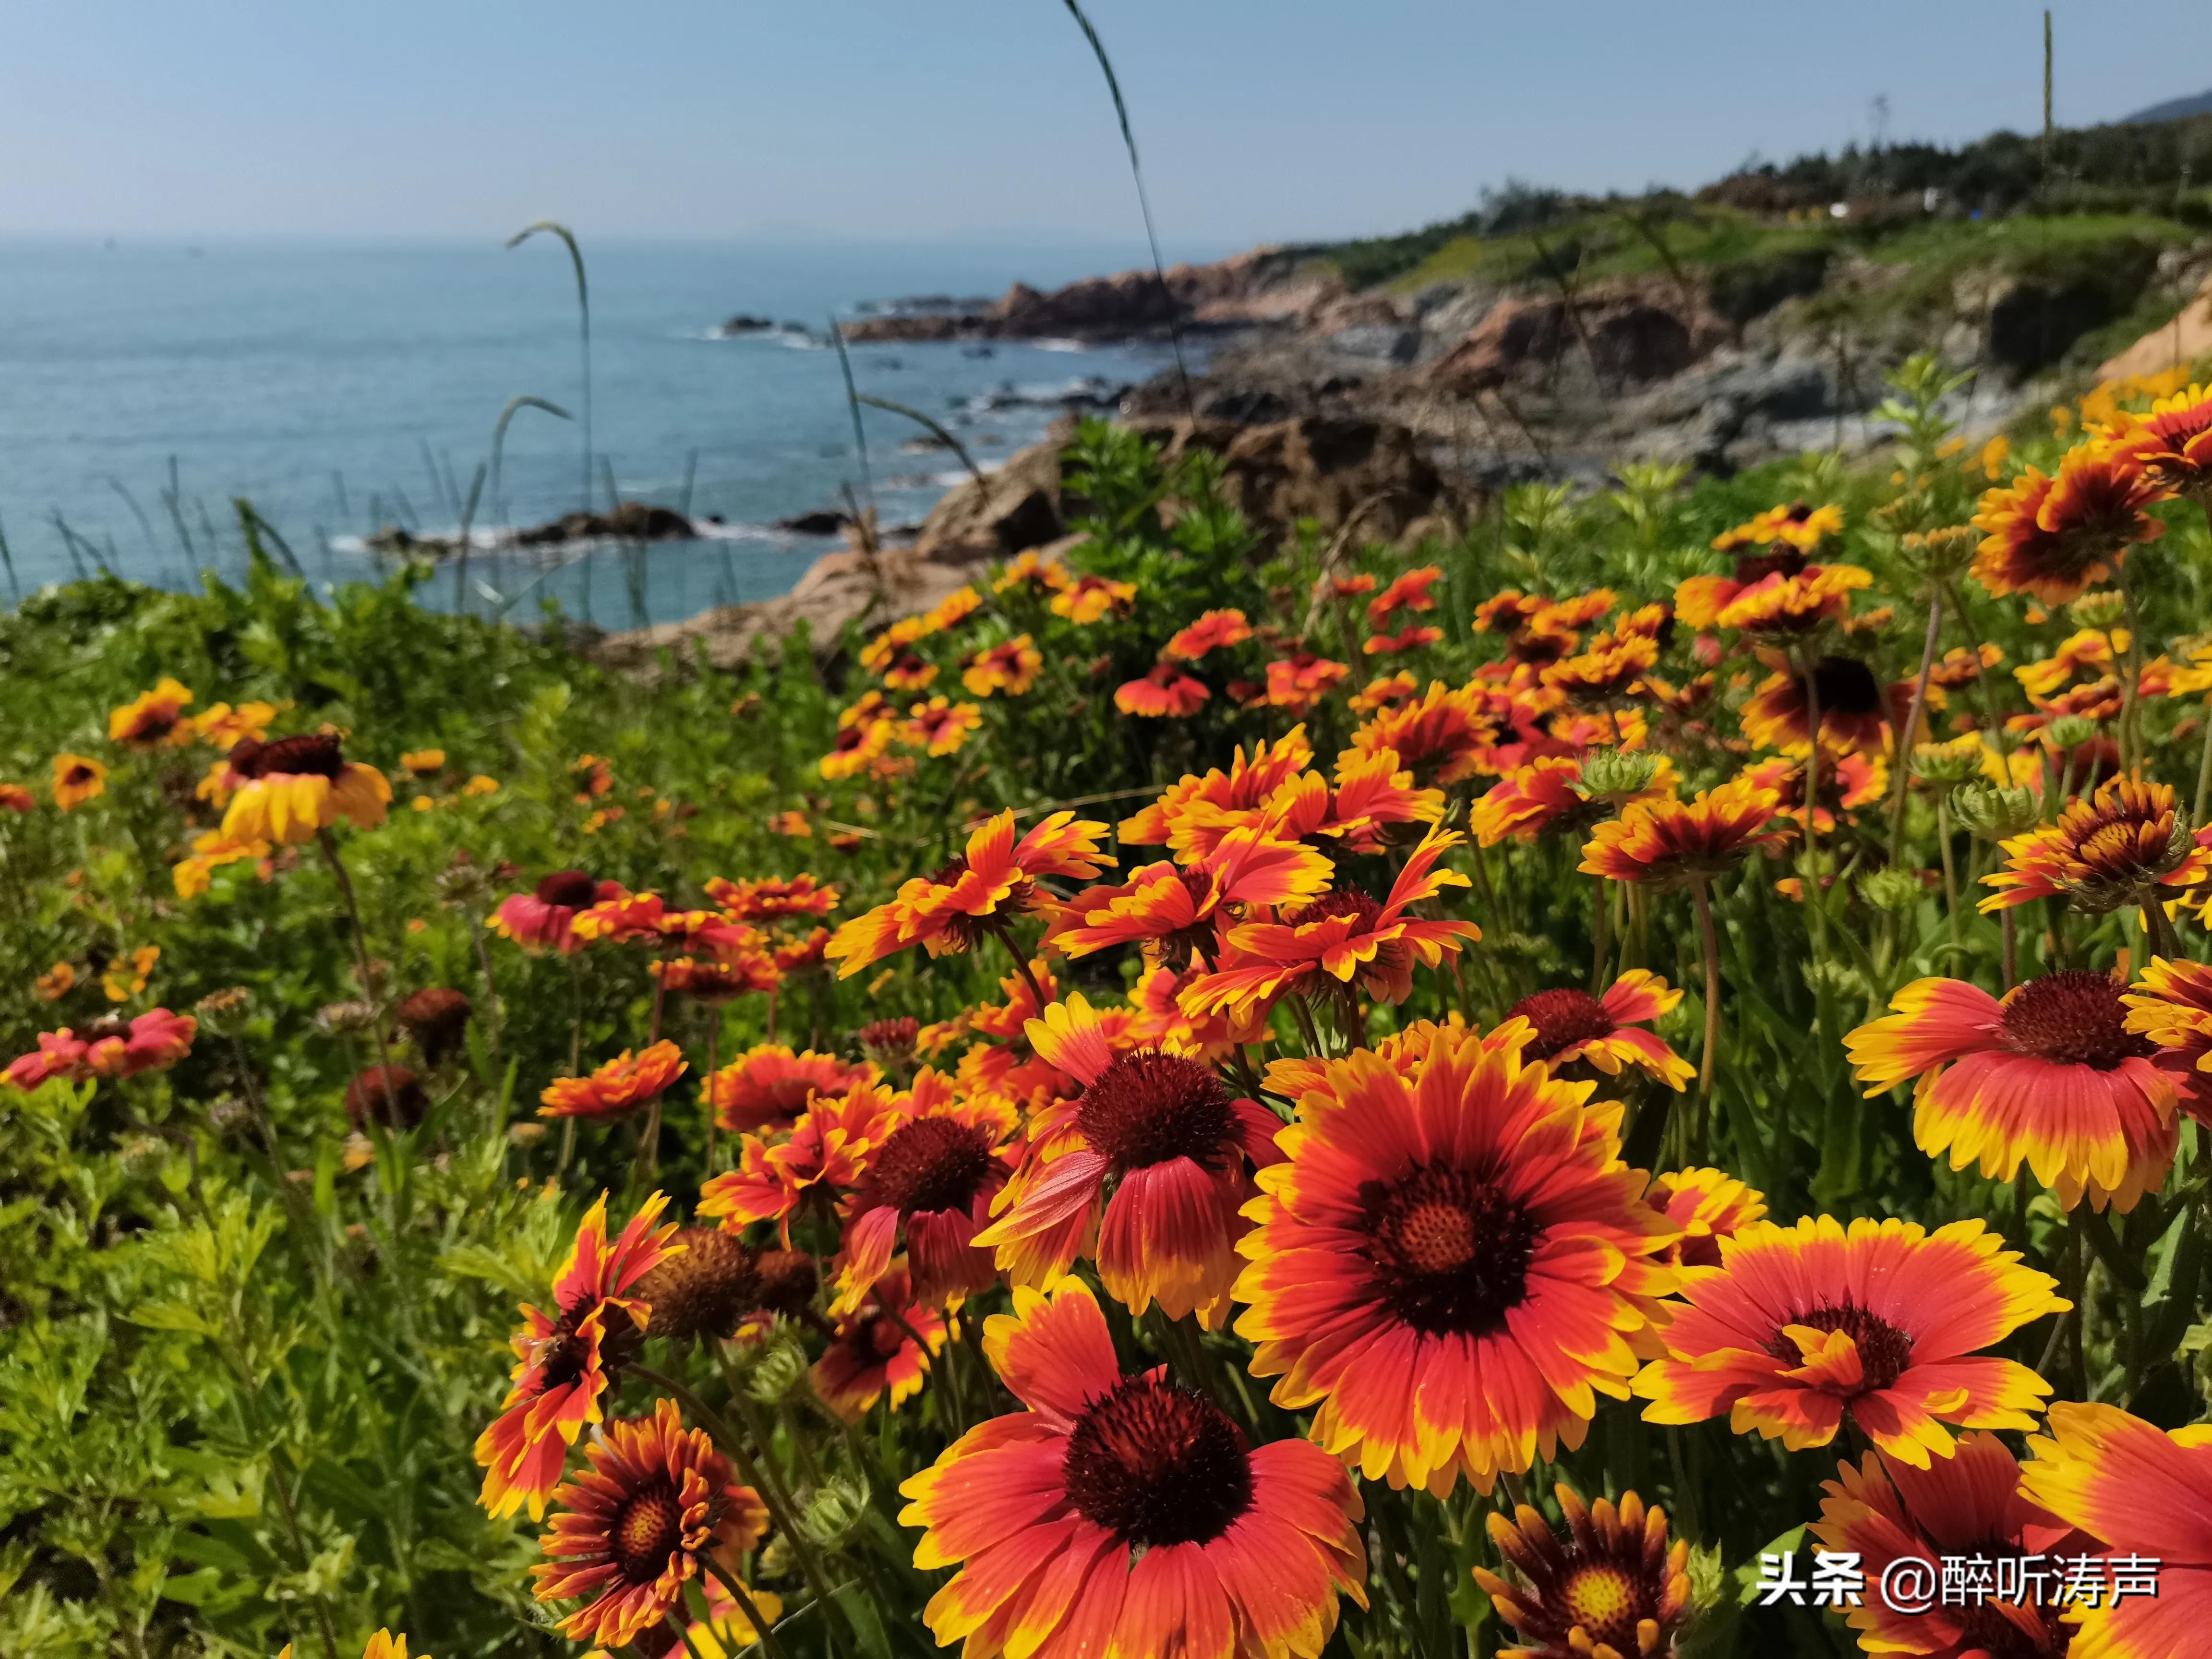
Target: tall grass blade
1144, 200
499, 442
852, 403
552, 228
461, 557
7, 558
936, 431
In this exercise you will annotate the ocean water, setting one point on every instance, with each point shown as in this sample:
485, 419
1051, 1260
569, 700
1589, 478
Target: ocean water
142, 387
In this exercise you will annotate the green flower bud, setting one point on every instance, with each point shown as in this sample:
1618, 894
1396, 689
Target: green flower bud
1893, 891
776, 1366
1946, 765
2097, 610
1994, 812
1617, 774
2071, 731
839, 1506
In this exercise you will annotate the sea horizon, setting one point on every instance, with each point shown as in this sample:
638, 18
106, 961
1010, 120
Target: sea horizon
342, 385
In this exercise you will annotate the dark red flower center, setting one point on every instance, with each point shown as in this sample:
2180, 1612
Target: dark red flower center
571, 888
962, 930
1156, 1466
1847, 688
1146, 1108
2072, 1020
1884, 1350
1985, 1630
647, 1530
931, 1163
850, 738
789, 1279
1341, 901
894, 1037
312, 754
1450, 1247
1562, 1018
1757, 567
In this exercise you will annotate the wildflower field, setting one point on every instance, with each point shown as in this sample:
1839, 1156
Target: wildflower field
1207, 1097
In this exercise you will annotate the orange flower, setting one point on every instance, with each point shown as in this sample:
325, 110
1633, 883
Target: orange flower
929, 1184
55, 983
1343, 943
2052, 1077
224, 727
1121, 1513
1793, 604
2173, 445
1544, 798
1213, 630
1960, 666
544, 918
1567, 1026
657, 1500
1407, 638
769, 1086
1145, 1169
1610, 668
1612, 1586
855, 747
153, 1042
77, 778
2091, 650
2171, 1008
1668, 842
1881, 1510
1801, 1327
622, 1085
940, 726
1166, 691
2142, 1493
716, 980
873, 1352
1157, 1019
2125, 845
193, 875
1192, 814
1706, 1205
825, 1154
1451, 1263
1298, 682
424, 762
955, 608
1173, 910
153, 718
126, 976
1385, 691
1088, 599
1409, 589
1442, 737
2053, 537
771, 898
1032, 569
888, 646
976, 894
1011, 667
14, 798
294, 788
1853, 712
566, 1359
909, 672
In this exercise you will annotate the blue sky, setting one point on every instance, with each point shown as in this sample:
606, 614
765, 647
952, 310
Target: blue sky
1259, 119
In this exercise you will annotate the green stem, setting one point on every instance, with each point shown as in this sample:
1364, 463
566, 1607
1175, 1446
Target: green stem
1901, 748
747, 1606
1950, 864
1709, 948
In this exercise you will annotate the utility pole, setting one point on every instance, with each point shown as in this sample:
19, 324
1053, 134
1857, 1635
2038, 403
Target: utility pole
2046, 90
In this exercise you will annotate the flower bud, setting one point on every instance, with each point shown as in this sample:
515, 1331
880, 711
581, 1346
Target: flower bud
840, 1505
1994, 812
2098, 610
2069, 731
1616, 773
1893, 891
1947, 765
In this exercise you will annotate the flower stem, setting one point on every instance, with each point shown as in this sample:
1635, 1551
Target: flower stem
1601, 913
747, 1604
1022, 965
1901, 749
329, 851
2203, 772
1708, 946
1950, 865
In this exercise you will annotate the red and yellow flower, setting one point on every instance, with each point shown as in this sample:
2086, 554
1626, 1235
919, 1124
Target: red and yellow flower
2052, 1077
636, 1527
1442, 737
1567, 1026
1408, 590
929, 1186
544, 919
1175, 909
153, 719
1165, 692
622, 1085
1192, 814
565, 1358
77, 778
1802, 1327
2125, 845
1668, 842
1610, 1588
2170, 1007
940, 726
973, 896
2142, 1493
1088, 599
152, 1042
1342, 943
1544, 798
873, 1352
1298, 682
294, 788
1120, 1515
1010, 667
770, 1087
2052, 537
1213, 630
1145, 1170
1881, 1510
1451, 1263
1706, 1206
